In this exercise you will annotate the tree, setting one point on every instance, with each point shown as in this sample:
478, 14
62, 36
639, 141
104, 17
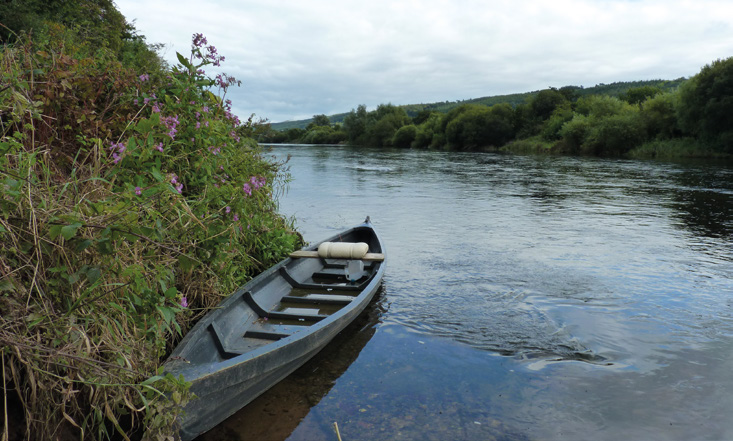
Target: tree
638, 95
355, 123
404, 136
545, 102
706, 104
319, 121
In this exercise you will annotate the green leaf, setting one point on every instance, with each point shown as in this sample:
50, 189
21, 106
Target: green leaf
167, 312
157, 174
186, 263
184, 61
93, 274
151, 380
83, 245
69, 231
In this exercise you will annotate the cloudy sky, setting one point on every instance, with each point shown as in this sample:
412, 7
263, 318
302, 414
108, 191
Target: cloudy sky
298, 58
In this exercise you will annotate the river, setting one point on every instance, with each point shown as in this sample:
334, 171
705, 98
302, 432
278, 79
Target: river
525, 298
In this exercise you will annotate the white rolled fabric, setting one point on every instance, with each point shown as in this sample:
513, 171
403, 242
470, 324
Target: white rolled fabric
343, 250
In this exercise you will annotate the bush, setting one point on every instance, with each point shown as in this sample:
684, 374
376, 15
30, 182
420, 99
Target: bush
405, 136
575, 132
615, 135
660, 116
129, 206
706, 104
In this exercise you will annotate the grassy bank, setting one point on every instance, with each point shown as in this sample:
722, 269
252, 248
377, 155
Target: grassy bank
131, 202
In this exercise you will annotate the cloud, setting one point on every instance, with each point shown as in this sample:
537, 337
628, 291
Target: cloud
297, 59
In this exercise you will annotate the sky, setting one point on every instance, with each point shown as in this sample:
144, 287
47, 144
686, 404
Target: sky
299, 58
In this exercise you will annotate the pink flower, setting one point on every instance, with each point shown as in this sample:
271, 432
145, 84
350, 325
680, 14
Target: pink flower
159, 147
138, 191
184, 302
228, 209
236, 218
247, 189
144, 77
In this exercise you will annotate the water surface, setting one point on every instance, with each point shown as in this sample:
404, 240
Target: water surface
525, 298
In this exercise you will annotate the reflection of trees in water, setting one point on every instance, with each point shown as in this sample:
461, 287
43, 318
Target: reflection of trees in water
705, 203
276, 413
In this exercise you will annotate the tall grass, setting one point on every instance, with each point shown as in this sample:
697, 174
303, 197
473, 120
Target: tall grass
129, 205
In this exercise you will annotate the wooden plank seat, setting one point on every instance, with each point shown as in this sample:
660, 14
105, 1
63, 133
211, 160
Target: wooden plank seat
318, 300
275, 315
271, 331
295, 284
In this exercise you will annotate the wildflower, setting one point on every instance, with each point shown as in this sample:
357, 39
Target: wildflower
199, 40
228, 209
159, 147
236, 217
144, 77
184, 302
179, 188
138, 191
247, 189
156, 107
174, 179
117, 155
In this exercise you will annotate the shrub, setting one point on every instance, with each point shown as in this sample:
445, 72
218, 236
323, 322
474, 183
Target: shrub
405, 136
129, 206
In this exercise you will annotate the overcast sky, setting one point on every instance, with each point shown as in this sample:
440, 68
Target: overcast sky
298, 58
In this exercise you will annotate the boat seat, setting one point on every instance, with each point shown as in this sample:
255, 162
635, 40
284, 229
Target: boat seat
275, 315
313, 300
226, 350
295, 284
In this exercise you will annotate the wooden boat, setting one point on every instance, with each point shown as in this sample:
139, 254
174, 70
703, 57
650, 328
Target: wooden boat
274, 324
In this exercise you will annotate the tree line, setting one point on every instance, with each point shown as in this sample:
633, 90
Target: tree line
694, 118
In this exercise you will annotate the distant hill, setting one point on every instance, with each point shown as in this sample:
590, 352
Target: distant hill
515, 99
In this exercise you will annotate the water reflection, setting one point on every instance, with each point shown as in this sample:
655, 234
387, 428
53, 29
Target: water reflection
560, 296
275, 414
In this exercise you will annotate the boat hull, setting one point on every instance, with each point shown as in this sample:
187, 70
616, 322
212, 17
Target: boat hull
226, 374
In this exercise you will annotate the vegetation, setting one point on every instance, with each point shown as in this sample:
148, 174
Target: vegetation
642, 119
131, 201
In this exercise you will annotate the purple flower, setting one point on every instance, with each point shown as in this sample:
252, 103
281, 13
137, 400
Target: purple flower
159, 147
174, 179
228, 209
247, 189
144, 77
236, 218
179, 188
184, 302
138, 191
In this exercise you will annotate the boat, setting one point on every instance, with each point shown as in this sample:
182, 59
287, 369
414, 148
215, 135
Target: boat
274, 324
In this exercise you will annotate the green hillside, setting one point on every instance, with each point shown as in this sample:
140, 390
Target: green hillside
613, 89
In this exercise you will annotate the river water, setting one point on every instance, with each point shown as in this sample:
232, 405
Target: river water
525, 298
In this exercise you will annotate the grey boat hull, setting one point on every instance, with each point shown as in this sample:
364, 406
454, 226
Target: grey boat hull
268, 328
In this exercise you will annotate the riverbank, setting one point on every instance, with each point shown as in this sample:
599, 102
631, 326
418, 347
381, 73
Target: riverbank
683, 148
132, 202
685, 118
